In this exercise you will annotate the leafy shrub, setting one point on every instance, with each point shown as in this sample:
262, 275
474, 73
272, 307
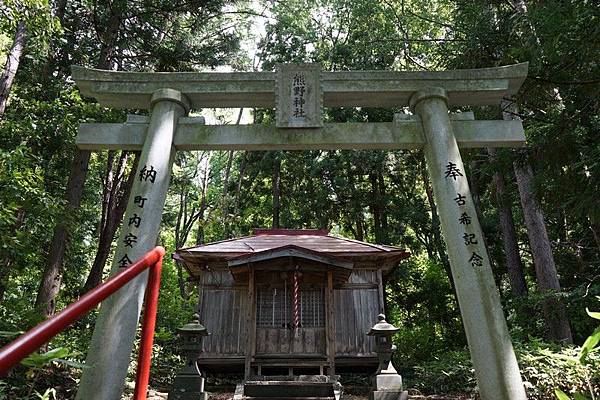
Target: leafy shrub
544, 367
449, 372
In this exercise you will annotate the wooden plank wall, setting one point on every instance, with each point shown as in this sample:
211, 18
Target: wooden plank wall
357, 305
278, 341
223, 310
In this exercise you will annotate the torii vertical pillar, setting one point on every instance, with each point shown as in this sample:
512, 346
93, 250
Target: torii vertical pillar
496, 368
110, 351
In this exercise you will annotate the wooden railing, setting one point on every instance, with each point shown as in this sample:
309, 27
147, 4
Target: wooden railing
14, 352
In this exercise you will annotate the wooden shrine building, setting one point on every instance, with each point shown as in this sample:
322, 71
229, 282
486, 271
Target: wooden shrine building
289, 301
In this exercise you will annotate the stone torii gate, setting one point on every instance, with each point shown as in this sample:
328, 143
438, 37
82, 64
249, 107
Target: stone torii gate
298, 92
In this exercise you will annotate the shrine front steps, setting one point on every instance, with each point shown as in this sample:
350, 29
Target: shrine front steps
289, 398
303, 387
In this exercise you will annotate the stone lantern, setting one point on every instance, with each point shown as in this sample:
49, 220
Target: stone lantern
387, 383
189, 383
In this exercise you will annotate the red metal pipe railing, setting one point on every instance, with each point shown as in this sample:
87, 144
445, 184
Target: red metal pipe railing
14, 352
145, 354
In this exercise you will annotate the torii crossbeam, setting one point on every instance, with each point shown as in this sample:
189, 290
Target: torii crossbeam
298, 93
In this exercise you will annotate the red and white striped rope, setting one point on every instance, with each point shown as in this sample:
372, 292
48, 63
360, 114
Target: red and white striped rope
296, 304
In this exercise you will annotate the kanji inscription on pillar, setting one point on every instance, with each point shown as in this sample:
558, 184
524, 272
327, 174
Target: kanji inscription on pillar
299, 96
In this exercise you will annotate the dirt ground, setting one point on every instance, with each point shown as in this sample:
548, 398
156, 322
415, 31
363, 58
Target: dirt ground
413, 396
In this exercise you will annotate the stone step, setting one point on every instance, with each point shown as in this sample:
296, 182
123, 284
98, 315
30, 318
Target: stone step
289, 390
290, 398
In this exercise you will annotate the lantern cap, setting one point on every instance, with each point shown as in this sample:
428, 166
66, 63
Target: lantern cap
194, 326
382, 327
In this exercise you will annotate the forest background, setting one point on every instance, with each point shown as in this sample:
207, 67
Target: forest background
60, 208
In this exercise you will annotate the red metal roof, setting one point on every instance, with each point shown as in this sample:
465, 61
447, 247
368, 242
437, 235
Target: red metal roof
289, 232
268, 239
315, 240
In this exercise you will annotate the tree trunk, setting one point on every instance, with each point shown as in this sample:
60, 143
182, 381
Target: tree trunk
7, 261
117, 196
384, 215
554, 310
50, 284
11, 65
238, 190
103, 250
109, 39
203, 205
356, 212
375, 207
595, 228
473, 179
435, 227
55, 49
51, 279
180, 239
226, 198
276, 190
514, 265
360, 228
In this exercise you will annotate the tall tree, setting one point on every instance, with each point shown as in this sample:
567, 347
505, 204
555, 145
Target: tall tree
116, 190
191, 182
555, 315
52, 277
6, 260
11, 65
545, 268
510, 243
552, 103
121, 25
26, 18
276, 183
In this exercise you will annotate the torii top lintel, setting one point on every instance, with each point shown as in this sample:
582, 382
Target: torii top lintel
467, 87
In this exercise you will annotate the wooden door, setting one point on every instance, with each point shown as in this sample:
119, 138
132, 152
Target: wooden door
274, 333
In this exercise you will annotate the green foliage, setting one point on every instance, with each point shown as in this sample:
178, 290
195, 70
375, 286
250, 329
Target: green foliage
37, 146
544, 368
22, 183
35, 13
421, 303
39, 360
47, 394
585, 357
367, 195
448, 372
173, 312
56, 367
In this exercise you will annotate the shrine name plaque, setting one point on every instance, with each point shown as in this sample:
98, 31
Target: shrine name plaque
299, 98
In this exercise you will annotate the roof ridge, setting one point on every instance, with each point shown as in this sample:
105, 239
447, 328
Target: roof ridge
359, 242
289, 232
217, 242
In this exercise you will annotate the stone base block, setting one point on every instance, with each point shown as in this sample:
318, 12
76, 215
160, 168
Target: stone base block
387, 382
387, 395
239, 391
188, 387
188, 396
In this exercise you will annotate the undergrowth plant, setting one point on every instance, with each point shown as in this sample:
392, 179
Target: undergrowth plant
589, 347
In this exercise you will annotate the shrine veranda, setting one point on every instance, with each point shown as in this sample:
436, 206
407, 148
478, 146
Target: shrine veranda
298, 93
